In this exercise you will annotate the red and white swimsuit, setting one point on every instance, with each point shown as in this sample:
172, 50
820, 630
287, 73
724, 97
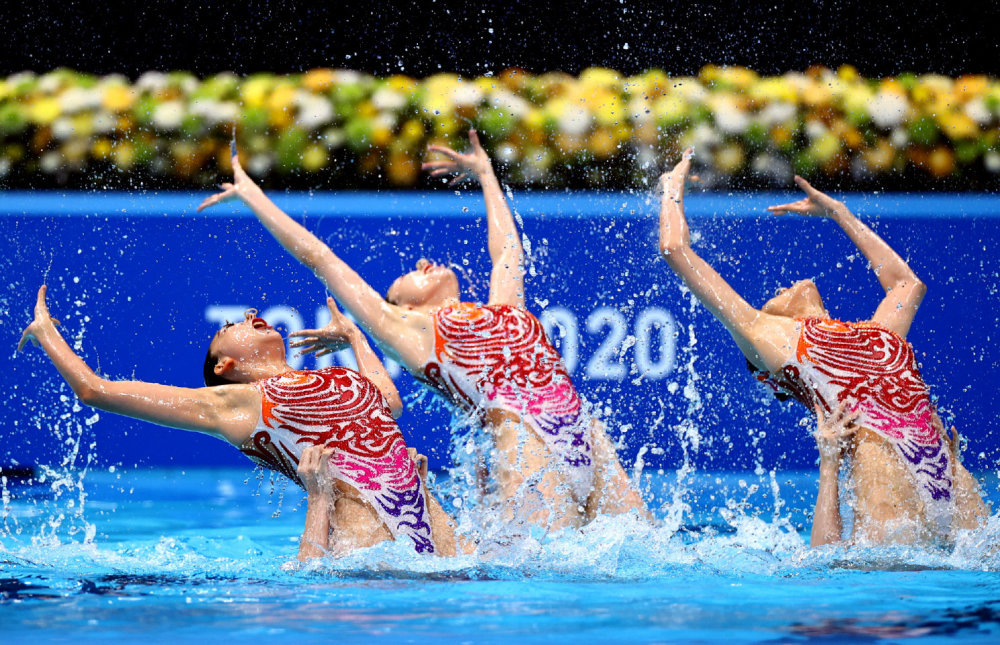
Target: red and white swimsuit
497, 357
875, 370
338, 408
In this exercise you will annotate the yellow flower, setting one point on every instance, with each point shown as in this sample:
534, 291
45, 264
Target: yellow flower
256, 90
118, 98
318, 80
402, 84
941, 162
730, 158
603, 143
412, 130
773, 89
101, 149
957, 125
44, 111
124, 155
881, 157
594, 77
849, 73
402, 168
314, 158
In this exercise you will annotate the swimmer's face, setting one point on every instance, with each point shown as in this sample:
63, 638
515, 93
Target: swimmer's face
801, 300
428, 285
249, 341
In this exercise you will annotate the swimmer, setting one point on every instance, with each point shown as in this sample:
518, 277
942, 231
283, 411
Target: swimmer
271, 413
492, 360
907, 480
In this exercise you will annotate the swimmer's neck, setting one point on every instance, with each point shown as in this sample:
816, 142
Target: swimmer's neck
254, 371
429, 309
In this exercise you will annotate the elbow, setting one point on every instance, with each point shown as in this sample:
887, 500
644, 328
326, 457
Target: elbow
672, 251
395, 406
90, 395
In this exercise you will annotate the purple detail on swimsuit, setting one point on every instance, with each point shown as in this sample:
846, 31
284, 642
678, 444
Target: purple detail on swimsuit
338, 408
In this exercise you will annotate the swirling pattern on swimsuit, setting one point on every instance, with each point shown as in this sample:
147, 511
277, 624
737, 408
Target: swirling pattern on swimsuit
874, 369
338, 408
498, 357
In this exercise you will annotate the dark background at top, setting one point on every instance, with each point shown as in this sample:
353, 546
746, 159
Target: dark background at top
421, 38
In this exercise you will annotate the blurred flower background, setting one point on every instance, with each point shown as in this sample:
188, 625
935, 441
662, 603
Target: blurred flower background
601, 129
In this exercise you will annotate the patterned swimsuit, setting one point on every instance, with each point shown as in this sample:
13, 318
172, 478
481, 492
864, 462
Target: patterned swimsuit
338, 408
874, 369
497, 357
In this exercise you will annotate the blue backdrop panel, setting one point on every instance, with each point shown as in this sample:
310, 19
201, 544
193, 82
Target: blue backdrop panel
141, 282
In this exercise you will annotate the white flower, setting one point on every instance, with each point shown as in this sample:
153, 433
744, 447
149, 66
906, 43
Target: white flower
347, 77
467, 94
728, 116
215, 112
977, 111
168, 115
50, 162
702, 136
104, 122
333, 137
815, 129
506, 153
4, 166
151, 81
777, 112
574, 120
509, 102
259, 164
62, 129
690, 90
899, 138
888, 109
77, 99
992, 161
640, 110
50, 83
387, 98
314, 110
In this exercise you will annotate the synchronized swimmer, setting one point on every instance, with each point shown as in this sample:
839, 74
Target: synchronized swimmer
334, 431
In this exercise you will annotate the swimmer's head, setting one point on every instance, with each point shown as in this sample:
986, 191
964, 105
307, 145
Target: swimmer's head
237, 347
429, 285
801, 300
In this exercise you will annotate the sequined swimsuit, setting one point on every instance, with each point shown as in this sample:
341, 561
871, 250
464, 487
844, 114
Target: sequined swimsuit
338, 408
874, 369
497, 357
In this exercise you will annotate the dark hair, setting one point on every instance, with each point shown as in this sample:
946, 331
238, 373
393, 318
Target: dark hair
208, 372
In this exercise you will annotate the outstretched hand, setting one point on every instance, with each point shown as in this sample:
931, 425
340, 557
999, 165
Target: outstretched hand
475, 162
673, 225
335, 336
238, 189
42, 322
833, 431
816, 203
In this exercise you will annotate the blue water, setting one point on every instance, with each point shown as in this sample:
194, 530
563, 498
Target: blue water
173, 556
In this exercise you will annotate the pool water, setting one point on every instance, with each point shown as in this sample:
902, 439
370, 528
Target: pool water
173, 556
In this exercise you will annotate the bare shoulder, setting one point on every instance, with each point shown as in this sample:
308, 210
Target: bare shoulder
772, 339
238, 408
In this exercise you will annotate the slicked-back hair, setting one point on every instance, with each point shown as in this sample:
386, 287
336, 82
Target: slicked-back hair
208, 372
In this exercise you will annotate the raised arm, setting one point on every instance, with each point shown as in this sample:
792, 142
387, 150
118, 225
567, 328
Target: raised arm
384, 321
507, 277
369, 365
831, 434
715, 293
904, 291
314, 472
228, 412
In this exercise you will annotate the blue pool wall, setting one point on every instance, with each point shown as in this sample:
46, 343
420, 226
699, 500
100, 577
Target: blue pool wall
141, 282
